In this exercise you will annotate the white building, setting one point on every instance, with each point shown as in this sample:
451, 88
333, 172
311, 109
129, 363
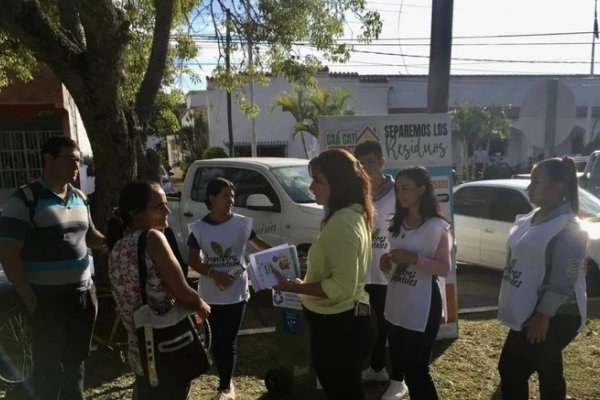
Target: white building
398, 94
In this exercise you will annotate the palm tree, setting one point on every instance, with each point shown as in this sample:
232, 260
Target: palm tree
295, 104
306, 106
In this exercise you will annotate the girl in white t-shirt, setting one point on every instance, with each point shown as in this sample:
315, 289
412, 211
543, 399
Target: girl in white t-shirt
216, 250
420, 243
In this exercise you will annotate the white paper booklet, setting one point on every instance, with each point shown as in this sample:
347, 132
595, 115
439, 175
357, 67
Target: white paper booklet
283, 258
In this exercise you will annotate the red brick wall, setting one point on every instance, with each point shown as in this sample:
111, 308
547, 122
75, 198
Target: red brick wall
45, 89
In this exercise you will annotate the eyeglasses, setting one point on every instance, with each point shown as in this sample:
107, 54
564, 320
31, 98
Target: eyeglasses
69, 157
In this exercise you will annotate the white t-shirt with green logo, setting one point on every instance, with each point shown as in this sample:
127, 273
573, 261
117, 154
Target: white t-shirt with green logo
223, 247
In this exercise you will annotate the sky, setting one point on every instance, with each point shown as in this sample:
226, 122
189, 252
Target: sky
489, 37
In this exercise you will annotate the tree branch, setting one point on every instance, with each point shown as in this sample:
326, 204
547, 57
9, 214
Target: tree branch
157, 64
69, 20
26, 21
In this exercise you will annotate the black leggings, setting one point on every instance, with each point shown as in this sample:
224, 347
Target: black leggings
410, 351
520, 359
225, 321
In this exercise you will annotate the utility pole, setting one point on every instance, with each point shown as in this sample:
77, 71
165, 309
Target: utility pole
440, 51
251, 70
551, 115
588, 132
228, 68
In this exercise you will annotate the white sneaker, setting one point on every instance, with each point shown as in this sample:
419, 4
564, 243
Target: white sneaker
370, 375
395, 391
225, 394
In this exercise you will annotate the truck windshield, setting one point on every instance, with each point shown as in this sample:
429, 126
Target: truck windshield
589, 205
295, 180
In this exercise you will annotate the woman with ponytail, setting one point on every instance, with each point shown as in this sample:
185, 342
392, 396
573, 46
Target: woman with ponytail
543, 293
143, 211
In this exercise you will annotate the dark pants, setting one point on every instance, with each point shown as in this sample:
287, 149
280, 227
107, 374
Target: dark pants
377, 300
61, 326
225, 321
410, 352
479, 170
339, 345
176, 390
520, 359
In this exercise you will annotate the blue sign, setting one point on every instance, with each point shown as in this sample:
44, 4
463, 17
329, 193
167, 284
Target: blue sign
291, 322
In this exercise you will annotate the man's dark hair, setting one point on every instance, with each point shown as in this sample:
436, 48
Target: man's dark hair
53, 145
369, 147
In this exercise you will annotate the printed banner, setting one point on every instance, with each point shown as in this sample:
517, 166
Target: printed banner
406, 139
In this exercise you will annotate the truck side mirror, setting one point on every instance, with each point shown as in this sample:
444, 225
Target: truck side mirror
258, 201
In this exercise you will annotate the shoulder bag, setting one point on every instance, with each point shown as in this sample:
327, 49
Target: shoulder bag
169, 344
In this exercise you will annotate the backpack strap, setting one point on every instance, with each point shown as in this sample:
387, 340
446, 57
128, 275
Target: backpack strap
142, 271
30, 201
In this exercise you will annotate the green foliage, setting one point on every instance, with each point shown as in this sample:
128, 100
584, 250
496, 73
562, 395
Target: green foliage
164, 120
16, 62
472, 124
307, 104
279, 30
214, 152
141, 16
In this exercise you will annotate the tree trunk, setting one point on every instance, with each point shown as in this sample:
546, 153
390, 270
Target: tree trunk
304, 144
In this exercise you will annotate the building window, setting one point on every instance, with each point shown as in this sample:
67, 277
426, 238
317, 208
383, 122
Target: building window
20, 156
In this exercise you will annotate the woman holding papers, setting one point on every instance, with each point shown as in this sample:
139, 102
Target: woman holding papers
335, 302
216, 250
420, 246
542, 296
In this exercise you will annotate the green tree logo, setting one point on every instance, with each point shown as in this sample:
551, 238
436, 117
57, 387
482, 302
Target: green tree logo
375, 233
218, 249
510, 263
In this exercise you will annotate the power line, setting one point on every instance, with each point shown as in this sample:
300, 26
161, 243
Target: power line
518, 35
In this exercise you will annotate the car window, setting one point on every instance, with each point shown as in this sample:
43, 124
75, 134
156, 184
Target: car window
201, 179
249, 182
589, 205
246, 182
506, 204
295, 180
470, 201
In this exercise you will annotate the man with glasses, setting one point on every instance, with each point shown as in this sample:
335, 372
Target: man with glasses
45, 230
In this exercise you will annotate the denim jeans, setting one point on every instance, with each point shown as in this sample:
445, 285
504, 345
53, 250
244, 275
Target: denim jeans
61, 325
225, 321
520, 359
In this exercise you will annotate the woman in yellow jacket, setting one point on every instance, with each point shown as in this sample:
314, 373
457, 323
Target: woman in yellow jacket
335, 302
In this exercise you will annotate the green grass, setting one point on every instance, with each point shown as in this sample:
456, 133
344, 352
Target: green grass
463, 369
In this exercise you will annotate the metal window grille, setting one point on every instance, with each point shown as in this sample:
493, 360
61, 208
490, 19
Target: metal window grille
263, 149
20, 156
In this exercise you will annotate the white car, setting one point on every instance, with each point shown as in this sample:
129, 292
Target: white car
484, 212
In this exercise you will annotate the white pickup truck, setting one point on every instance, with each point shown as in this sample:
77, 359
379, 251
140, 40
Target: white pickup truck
274, 192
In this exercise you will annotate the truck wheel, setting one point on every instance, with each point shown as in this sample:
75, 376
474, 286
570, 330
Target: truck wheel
276, 382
